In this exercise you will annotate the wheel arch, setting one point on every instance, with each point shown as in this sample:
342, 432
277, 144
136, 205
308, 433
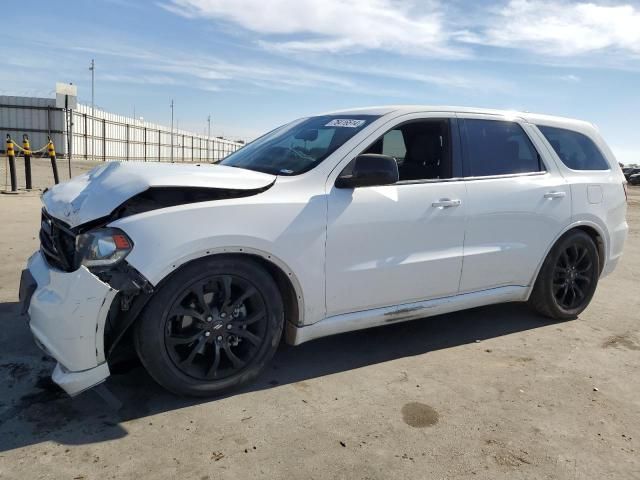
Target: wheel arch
590, 228
284, 278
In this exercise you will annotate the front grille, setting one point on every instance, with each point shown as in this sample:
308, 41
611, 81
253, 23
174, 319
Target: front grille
57, 243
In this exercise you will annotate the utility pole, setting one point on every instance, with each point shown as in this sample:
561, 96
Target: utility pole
93, 71
171, 130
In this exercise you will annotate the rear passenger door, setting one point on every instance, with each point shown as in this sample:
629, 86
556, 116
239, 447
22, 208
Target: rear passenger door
517, 203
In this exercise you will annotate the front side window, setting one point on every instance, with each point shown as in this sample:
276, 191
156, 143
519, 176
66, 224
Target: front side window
494, 147
577, 151
298, 146
421, 148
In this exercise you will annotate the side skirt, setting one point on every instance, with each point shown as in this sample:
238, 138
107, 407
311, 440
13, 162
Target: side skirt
348, 322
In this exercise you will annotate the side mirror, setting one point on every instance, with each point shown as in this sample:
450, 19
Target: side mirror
369, 170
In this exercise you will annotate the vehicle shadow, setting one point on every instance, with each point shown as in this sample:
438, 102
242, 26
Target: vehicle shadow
33, 410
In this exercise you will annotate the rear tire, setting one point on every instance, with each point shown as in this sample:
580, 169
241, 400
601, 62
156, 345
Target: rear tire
568, 277
212, 327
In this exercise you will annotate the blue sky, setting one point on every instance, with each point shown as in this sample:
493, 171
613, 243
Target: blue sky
254, 64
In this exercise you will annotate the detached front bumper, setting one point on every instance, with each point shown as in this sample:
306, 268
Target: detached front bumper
67, 312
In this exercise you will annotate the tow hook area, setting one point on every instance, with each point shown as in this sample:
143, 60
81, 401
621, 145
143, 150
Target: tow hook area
127, 280
134, 293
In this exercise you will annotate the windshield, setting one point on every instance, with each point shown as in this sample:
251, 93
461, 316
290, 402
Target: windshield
298, 146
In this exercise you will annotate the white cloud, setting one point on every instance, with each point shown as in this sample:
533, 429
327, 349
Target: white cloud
414, 27
211, 73
570, 78
142, 79
561, 28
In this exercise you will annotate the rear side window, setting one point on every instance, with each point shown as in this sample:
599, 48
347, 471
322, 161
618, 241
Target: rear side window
577, 151
494, 147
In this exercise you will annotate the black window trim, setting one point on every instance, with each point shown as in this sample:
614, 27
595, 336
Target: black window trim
456, 149
553, 150
462, 129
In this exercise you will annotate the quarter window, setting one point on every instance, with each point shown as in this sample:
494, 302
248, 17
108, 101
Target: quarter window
494, 147
577, 151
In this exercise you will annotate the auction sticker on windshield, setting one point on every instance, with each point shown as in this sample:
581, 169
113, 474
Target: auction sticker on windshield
345, 122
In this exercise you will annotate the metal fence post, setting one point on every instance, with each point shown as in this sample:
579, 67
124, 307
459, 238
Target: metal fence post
86, 141
144, 144
127, 140
70, 138
104, 139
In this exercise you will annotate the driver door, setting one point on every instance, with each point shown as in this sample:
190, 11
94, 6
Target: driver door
400, 243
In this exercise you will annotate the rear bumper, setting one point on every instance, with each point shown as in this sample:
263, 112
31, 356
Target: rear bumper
618, 239
67, 313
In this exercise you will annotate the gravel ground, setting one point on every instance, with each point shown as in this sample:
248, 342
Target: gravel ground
489, 393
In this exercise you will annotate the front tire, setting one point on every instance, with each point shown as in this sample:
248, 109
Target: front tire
568, 278
212, 327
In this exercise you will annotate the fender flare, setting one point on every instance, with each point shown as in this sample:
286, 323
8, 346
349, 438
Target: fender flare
575, 224
130, 316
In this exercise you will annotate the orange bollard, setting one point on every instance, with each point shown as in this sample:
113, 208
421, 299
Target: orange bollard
52, 156
26, 147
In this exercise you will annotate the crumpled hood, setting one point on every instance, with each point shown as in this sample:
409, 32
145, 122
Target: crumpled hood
100, 191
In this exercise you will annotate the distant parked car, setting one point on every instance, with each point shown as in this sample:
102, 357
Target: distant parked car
315, 229
629, 172
634, 179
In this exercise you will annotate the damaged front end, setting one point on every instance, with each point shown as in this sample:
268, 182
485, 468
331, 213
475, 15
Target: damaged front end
73, 290
80, 294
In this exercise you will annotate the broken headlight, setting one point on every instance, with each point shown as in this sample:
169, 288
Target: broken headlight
102, 248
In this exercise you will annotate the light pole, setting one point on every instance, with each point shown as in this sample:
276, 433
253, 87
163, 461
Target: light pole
93, 71
172, 130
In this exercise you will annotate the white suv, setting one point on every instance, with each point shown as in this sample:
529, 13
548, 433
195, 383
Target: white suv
328, 224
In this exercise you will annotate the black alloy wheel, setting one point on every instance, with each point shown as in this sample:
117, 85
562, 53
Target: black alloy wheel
215, 327
573, 275
568, 277
211, 327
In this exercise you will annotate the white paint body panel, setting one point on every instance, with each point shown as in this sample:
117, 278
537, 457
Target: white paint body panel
390, 245
356, 258
510, 224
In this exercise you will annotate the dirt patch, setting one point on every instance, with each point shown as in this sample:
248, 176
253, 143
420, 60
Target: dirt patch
419, 415
16, 371
505, 456
621, 341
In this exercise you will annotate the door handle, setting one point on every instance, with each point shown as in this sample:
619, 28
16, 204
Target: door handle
446, 203
552, 195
